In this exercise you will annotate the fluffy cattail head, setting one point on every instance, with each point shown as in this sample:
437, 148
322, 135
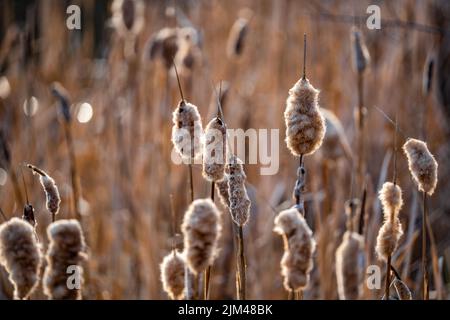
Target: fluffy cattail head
66, 248
422, 165
20, 255
172, 275
348, 266
299, 246
50, 189
305, 125
201, 229
361, 56
187, 131
427, 78
390, 196
214, 152
239, 200
128, 16
402, 289
236, 37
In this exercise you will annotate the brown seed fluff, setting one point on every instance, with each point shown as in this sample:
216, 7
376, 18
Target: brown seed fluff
163, 44
239, 200
201, 229
422, 165
66, 248
299, 246
305, 125
361, 56
187, 130
52, 193
335, 143
214, 150
128, 16
348, 271
402, 289
172, 275
390, 232
20, 255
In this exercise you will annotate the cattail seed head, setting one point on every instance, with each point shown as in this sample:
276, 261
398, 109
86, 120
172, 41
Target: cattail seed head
348, 266
390, 196
66, 248
299, 246
422, 165
335, 143
214, 153
305, 125
390, 232
239, 200
50, 189
21, 256
28, 215
172, 275
402, 289
187, 131
201, 229
361, 56
188, 42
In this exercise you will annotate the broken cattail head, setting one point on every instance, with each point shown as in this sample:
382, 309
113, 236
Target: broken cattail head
50, 189
422, 165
